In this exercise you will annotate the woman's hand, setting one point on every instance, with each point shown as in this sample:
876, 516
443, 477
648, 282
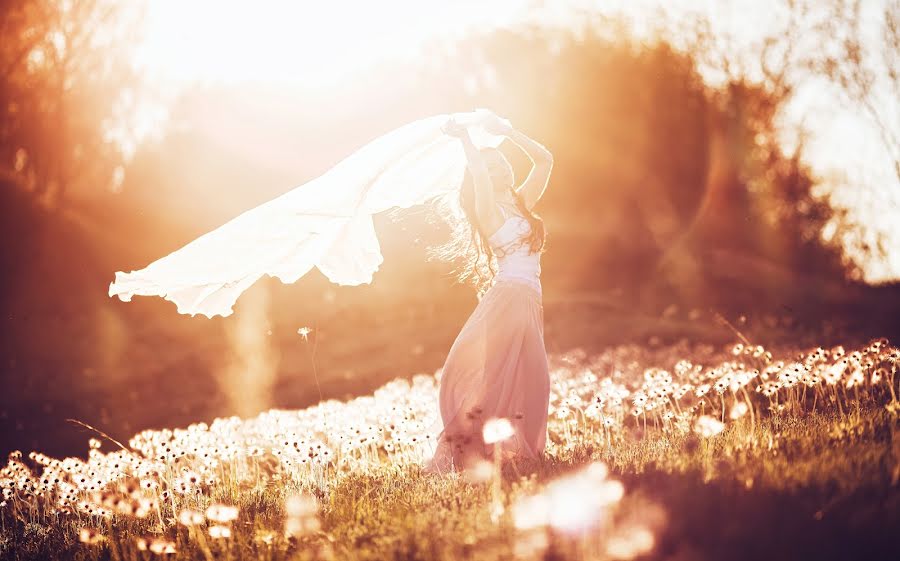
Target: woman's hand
452, 128
496, 125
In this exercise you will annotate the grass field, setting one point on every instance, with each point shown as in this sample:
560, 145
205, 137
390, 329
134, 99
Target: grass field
680, 452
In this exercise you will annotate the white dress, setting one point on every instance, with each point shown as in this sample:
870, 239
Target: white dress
497, 366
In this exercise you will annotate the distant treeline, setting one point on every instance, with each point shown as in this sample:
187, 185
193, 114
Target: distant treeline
659, 180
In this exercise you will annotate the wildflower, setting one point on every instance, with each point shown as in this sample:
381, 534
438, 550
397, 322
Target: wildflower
479, 472
189, 517
90, 536
639, 399
593, 411
562, 412
161, 546
681, 391
707, 426
788, 379
739, 410
768, 389
130, 508
721, 385
265, 536
578, 501
529, 544
856, 378
630, 543
219, 532
222, 513
530, 512
304, 332
497, 430
301, 515
192, 478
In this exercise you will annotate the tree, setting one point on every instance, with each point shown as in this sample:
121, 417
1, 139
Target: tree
664, 168
68, 76
865, 66
845, 47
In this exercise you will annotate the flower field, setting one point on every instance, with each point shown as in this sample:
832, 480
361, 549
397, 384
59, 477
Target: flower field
679, 452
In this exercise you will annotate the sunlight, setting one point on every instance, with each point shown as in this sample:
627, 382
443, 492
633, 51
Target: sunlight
636, 343
310, 48
297, 42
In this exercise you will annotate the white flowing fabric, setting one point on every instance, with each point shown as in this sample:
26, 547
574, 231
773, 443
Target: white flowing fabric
324, 223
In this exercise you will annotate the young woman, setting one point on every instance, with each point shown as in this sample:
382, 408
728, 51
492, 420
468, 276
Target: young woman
497, 366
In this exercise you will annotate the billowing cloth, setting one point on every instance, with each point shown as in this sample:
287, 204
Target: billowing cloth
325, 223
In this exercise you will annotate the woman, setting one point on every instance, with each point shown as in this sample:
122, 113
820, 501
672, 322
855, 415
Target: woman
497, 366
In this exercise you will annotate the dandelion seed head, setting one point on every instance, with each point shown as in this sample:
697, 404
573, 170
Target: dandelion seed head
738, 410
188, 517
219, 532
497, 430
630, 543
221, 513
90, 536
161, 546
707, 426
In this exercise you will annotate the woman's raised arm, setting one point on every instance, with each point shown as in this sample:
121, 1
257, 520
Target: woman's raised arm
532, 189
485, 203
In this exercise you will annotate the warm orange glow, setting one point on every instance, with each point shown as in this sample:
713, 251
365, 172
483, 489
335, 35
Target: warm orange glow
306, 43
309, 47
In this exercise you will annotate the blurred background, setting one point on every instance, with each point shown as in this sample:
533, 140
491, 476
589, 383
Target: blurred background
713, 160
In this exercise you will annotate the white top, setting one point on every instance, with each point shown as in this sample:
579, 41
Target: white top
515, 260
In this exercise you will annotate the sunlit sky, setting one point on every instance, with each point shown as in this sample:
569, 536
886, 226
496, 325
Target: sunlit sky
294, 41
314, 44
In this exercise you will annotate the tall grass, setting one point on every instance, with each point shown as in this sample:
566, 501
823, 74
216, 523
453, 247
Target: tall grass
343, 479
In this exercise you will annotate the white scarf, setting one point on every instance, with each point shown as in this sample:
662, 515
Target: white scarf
324, 223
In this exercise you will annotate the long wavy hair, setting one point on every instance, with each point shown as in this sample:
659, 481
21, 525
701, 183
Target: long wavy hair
468, 246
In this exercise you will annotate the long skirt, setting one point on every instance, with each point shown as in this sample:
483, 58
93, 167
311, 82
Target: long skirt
496, 368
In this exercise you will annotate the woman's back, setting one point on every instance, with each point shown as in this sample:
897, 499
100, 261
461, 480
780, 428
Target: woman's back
515, 260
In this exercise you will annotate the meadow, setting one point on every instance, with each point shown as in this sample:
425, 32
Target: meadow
681, 451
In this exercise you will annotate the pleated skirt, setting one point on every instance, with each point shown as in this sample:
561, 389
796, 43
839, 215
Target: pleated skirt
496, 368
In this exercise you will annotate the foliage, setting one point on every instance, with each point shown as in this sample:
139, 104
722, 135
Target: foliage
666, 169
68, 77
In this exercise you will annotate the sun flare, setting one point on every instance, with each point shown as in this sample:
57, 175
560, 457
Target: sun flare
297, 42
